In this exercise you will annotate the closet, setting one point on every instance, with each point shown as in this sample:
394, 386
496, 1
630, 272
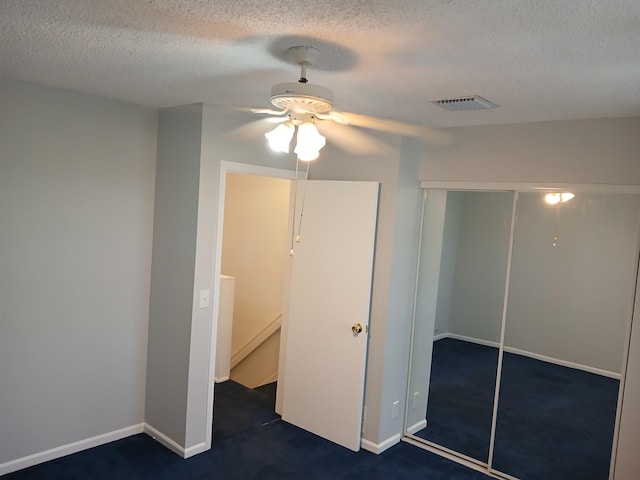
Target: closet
523, 310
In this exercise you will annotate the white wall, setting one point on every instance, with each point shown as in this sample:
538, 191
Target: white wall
76, 212
255, 247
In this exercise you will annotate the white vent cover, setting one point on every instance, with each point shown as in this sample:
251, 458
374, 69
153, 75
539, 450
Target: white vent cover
463, 104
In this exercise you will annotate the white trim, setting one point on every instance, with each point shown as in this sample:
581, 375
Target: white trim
460, 459
172, 445
440, 336
536, 356
68, 449
378, 448
416, 427
564, 363
530, 187
221, 379
479, 341
261, 337
194, 450
160, 437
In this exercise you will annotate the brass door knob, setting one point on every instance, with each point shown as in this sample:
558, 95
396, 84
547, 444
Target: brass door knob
356, 329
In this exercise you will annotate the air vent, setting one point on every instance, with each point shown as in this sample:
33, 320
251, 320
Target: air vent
464, 104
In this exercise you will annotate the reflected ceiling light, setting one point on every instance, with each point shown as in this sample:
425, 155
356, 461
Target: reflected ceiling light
555, 198
309, 142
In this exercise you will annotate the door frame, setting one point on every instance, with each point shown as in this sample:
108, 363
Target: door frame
247, 169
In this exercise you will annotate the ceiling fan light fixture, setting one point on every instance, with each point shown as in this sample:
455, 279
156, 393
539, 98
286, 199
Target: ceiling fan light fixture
309, 142
280, 137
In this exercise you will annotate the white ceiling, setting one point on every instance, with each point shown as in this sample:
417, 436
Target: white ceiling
538, 59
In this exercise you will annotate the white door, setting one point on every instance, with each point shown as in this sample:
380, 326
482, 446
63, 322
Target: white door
330, 293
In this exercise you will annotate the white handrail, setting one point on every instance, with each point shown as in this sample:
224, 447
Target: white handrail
244, 351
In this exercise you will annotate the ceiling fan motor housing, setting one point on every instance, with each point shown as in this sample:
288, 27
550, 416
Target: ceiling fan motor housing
302, 97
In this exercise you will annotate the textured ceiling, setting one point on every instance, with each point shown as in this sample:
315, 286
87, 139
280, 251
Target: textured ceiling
537, 59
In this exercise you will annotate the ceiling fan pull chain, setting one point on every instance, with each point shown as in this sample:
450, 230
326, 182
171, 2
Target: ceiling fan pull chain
295, 198
304, 196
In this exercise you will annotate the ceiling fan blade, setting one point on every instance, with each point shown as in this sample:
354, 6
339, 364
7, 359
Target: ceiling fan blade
255, 128
351, 140
431, 135
269, 111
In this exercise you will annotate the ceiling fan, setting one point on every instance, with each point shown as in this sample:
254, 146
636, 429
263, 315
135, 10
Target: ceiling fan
302, 107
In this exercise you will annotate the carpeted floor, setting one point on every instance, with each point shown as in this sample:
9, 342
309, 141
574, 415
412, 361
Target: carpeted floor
554, 422
250, 442
461, 393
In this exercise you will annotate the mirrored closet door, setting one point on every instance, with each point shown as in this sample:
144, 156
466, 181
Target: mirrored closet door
459, 309
520, 329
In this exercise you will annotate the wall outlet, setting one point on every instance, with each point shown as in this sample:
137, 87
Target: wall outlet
416, 398
395, 409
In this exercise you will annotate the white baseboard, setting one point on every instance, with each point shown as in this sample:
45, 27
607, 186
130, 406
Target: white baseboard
440, 336
417, 427
171, 444
68, 449
194, 450
378, 448
479, 341
564, 363
221, 379
536, 356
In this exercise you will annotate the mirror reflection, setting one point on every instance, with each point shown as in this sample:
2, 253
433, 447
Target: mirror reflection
569, 304
459, 309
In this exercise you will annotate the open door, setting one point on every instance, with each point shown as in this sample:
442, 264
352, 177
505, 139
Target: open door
328, 318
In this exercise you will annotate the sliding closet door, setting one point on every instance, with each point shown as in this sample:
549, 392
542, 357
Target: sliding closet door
458, 318
569, 307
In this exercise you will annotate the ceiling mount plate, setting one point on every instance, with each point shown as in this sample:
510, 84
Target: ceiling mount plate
304, 55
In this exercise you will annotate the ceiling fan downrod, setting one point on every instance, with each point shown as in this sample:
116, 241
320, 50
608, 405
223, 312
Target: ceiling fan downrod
305, 57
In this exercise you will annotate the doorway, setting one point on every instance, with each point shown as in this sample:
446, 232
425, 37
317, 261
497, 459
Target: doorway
253, 218
254, 249
333, 260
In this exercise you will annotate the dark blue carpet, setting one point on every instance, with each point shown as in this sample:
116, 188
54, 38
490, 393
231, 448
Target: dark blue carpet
258, 449
461, 393
554, 422
239, 409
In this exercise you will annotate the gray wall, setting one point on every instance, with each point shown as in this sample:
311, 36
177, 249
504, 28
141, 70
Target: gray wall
572, 302
173, 269
477, 298
451, 234
76, 212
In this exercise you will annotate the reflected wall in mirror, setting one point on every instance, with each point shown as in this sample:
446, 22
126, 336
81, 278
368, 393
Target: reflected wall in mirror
569, 306
458, 318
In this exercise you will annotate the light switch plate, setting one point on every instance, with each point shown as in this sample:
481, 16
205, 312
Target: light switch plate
204, 298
